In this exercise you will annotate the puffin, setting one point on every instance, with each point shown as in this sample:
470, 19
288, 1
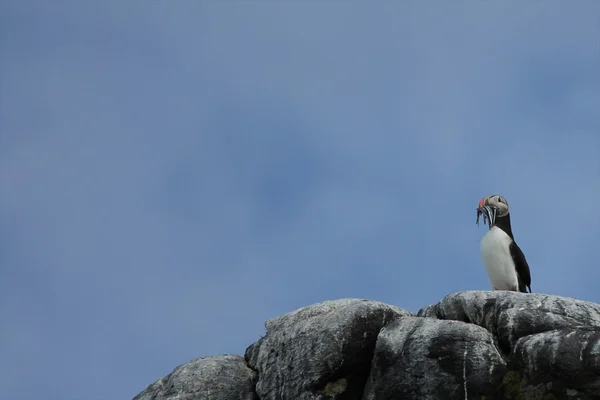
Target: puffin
503, 259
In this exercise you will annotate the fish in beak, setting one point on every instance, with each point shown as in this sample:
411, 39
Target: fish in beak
488, 212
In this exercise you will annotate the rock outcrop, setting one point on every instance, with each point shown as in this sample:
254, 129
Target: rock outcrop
471, 345
424, 358
320, 351
216, 377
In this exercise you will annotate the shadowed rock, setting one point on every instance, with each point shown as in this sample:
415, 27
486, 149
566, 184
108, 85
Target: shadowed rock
422, 358
224, 377
320, 351
563, 362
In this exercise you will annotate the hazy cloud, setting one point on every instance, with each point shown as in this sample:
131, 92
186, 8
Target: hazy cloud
174, 175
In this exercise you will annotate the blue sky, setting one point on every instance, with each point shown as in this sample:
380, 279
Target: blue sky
172, 174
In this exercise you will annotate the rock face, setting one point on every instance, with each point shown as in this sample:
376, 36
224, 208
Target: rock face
551, 343
217, 377
321, 351
423, 358
471, 345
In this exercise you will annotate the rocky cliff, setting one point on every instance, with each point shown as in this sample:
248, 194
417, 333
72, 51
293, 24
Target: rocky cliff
471, 345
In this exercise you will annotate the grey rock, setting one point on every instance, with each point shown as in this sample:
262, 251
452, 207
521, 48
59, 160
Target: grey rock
565, 363
550, 343
225, 377
470, 345
510, 316
422, 358
322, 351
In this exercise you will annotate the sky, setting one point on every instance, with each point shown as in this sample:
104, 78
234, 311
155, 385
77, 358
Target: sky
175, 173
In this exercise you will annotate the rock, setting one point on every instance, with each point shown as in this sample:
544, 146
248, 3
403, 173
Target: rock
322, 351
510, 316
563, 362
550, 342
225, 377
470, 345
422, 358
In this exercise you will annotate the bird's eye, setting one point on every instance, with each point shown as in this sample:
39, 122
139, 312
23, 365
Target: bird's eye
500, 199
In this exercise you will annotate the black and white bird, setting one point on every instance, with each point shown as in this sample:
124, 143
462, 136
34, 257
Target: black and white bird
504, 261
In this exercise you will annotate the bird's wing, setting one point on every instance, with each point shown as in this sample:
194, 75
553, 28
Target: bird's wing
521, 266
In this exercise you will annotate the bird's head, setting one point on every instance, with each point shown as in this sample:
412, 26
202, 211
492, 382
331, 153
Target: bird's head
492, 207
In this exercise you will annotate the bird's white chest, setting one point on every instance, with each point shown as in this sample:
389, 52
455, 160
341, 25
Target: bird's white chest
497, 260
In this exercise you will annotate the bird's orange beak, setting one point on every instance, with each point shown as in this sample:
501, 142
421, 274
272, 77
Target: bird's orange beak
482, 202
489, 213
